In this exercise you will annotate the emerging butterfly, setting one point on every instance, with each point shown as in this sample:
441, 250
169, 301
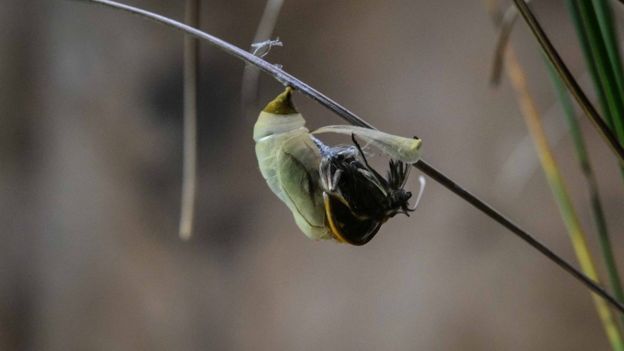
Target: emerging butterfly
332, 192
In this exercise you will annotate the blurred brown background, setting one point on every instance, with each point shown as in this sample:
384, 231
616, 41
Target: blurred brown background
90, 150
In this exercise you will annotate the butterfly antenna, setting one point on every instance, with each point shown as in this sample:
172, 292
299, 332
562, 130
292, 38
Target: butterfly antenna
421, 190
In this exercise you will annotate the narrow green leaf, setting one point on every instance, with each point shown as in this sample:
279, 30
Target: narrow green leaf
604, 14
564, 202
604, 70
592, 185
574, 10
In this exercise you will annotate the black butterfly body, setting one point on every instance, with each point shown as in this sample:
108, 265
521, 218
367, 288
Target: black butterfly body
358, 200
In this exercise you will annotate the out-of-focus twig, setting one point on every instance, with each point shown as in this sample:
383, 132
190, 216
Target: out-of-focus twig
251, 74
189, 167
505, 23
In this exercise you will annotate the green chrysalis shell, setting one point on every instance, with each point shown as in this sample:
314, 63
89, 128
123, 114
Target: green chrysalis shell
289, 161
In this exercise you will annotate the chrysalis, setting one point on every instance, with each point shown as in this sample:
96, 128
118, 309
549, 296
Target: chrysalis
332, 192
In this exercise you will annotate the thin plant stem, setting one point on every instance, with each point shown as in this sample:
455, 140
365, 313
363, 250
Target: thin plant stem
189, 167
288, 79
567, 77
592, 186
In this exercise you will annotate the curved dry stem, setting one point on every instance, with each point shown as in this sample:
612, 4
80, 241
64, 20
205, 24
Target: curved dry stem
505, 27
344, 113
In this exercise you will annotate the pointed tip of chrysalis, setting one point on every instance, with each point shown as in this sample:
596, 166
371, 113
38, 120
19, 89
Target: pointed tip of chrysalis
282, 104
